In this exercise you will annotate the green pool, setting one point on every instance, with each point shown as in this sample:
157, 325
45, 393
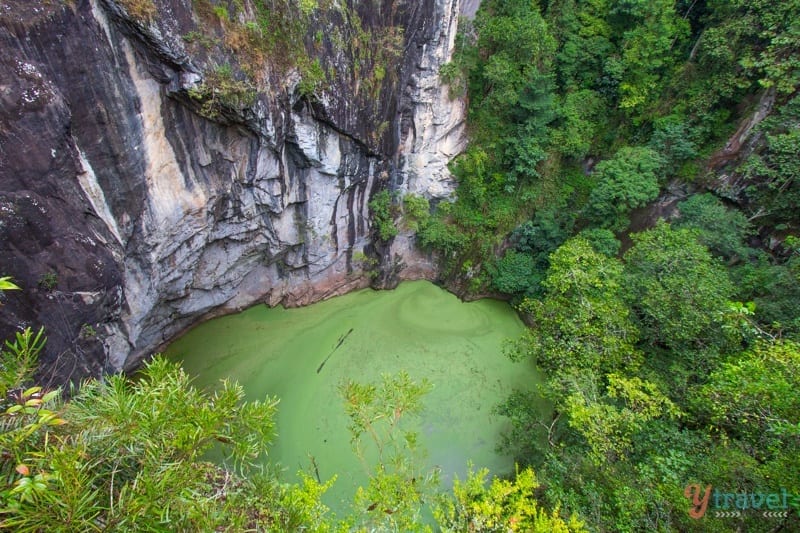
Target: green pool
417, 327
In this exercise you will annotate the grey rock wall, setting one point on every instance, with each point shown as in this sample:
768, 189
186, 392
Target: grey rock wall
128, 215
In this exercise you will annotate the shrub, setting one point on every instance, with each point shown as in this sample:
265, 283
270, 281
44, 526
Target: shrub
143, 10
383, 215
721, 229
416, 211
628, 180
48, 281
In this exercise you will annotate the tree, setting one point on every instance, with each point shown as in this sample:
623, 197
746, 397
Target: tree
503, 506
383, 215
128, 454
516, 273
511, 99
628, 180
673, 138
774, 170
650, 29
676, 288
720, 229
609, 419
753, 397
398, 485
602, 240
578, 123
582, 321
751, 407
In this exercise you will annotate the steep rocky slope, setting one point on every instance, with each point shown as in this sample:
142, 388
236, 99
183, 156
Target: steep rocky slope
153, 174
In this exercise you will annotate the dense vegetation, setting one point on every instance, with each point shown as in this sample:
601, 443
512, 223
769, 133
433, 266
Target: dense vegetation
671, 348
130, 455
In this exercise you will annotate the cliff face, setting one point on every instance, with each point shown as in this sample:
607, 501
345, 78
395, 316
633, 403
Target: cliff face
148, 181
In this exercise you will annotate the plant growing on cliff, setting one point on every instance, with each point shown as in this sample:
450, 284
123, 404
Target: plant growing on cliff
367, 264
416, 212
7, 285
18, 360
48, 281
144, 10
383, 213
312, 77
88, 332
221, 90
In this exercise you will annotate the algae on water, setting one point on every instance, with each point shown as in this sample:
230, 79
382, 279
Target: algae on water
303, 355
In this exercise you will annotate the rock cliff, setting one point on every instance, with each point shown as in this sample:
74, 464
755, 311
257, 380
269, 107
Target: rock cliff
157, 168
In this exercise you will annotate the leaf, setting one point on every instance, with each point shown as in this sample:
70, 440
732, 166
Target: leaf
51, 395
31, 391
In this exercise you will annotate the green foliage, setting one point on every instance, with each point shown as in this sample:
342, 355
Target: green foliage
750, 404
88, 331
521, 270
7, 285
257, 34
48, 281
383, 213
503, 506
516, 273
541, 235
510, 87
221, 90
200, 38
775, 290
753, 396
582, 321
524, 411
398, 485
312, 76
222, 13
673, 139
628, 180
470, 230
774, 171
579, 125
416, 212
602, 240
723, 231
649, 32
676, 288
19, 358
608, 421
762, 37
659, 87
128, 454
366, 263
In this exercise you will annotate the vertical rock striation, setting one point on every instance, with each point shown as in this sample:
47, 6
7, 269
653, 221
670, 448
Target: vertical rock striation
129, 210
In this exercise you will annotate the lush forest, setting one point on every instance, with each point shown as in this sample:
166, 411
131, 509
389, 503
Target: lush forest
631, 185
633, 182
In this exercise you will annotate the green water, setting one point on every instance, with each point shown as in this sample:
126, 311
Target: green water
418, 328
